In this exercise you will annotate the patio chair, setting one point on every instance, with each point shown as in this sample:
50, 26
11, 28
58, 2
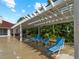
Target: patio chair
38, 38
45, 41
56, 47
35, 41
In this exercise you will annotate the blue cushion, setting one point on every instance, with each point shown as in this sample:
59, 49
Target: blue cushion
46, 41
38, 38
57, 46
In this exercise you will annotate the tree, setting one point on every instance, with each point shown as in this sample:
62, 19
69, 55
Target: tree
65, 30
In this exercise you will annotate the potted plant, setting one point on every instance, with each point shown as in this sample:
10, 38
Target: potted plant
53, 37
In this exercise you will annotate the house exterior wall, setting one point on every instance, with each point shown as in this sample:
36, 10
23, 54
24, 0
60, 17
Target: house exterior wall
5, 33
5, 28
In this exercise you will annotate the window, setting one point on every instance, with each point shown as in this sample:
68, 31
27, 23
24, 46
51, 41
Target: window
3, 31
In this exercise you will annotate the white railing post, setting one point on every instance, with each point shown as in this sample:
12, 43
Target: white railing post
20, 32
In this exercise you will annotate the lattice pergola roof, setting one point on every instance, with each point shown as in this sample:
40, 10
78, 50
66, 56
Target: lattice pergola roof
60, 12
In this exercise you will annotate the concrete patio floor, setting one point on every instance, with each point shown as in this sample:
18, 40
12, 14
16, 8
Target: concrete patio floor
11, 48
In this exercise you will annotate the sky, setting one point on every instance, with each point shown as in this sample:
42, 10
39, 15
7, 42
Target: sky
12, 10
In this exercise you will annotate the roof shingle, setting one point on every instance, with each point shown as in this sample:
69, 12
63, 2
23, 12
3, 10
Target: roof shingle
6, 24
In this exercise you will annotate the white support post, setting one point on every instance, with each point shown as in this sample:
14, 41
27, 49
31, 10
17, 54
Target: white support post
52, 3
76, 28
9, 33
20, 32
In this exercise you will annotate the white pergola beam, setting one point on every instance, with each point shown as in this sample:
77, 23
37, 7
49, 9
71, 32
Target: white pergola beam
44, 8
57, 21
34, 13
31, 16
52, 3
38, 11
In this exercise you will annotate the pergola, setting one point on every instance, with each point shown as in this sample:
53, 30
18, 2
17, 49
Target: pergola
57, 12
60, 11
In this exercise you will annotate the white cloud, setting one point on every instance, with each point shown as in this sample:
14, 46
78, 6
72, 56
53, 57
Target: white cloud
13, 10
23, 11
39, 5
10, 3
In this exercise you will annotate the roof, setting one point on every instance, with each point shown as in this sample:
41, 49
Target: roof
6, 24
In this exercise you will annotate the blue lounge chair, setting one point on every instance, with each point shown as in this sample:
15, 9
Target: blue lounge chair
45, 41
56, 47
37, 38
